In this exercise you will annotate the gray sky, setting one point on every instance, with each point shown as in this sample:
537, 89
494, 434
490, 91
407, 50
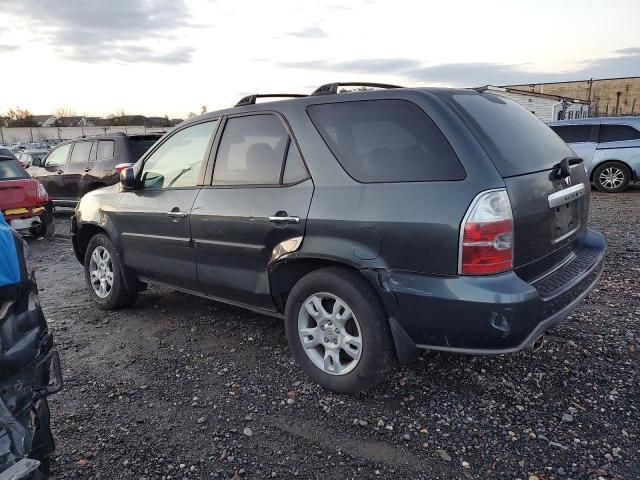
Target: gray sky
173, 56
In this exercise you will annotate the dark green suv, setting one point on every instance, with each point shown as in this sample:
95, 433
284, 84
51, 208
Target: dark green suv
374, 222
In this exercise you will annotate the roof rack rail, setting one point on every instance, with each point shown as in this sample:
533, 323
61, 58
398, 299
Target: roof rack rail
251, 99
332, 88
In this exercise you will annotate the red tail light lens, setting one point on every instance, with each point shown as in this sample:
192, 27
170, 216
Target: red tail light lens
486, 244
41, 193
122, 166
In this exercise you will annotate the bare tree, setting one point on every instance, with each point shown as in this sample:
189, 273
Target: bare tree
64, 112
18, 117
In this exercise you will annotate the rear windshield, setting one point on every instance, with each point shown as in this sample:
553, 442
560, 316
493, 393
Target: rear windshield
141, 144
11, 170
386, 141
517, 141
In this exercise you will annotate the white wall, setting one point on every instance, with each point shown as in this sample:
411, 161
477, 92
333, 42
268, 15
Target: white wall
35, 134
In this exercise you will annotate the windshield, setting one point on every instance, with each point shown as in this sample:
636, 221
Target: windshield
517, 141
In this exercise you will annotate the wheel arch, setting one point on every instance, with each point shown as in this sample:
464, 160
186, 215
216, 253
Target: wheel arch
85, 232
285, 273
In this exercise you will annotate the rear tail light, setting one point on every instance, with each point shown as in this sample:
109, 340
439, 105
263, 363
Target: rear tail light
41, 194
122, 166
486, 238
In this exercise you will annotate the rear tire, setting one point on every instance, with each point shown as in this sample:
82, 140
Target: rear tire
47, 228
612, 177
338, 330
103, 275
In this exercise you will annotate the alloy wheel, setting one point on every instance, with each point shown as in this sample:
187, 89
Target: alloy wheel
611, 177
101, 272
330, 333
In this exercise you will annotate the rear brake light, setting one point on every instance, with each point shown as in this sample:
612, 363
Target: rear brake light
486, 238
41, 194
122, 166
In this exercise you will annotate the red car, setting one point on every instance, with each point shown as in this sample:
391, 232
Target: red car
24, 202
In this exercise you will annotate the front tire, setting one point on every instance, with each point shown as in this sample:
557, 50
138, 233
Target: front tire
338, 330
103, 275
612, 177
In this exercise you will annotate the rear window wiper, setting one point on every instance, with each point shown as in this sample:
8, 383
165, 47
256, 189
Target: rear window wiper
564, 166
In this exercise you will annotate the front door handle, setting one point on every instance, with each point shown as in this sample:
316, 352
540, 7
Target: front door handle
60, 171
177, 214
87, 169
284, 219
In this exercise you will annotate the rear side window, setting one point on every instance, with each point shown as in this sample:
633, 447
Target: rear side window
294, 170
386, 141
105, 150
618, 133
251, 151
11, 170
516, 141
80, 152
573, 133
139, 145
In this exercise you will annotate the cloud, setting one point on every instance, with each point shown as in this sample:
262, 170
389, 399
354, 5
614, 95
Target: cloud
629, 51
475, 73
312, 31
93, 30
8, 48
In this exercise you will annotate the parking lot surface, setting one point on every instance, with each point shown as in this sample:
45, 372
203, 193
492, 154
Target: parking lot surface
182, 387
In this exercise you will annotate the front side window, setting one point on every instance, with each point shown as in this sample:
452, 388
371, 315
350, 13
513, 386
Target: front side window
573, 133
176, 163
618, 133
58, 157
386, 141
80, 152
251, 151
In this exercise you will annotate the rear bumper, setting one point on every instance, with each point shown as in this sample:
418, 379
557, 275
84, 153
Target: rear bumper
488, 315
29, 217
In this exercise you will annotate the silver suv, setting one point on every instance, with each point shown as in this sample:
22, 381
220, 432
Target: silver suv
609, 146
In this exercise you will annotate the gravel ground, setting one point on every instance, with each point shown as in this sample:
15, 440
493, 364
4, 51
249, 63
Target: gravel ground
181, 387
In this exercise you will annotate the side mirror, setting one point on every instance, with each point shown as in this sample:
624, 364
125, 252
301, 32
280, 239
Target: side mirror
36, 162
127, 179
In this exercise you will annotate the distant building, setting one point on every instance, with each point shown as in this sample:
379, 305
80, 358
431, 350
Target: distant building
607, 96
45, 120
544, 106
75, 121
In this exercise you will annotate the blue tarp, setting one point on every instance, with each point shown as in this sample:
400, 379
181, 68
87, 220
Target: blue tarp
9, 266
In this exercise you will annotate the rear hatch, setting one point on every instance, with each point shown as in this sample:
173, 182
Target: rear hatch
17, 188
550, 205
140, 144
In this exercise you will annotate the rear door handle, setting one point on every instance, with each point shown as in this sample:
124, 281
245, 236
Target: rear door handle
87, 169
284, 219
178, 214
60, 171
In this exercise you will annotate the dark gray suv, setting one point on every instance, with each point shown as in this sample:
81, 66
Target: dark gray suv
375, 223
